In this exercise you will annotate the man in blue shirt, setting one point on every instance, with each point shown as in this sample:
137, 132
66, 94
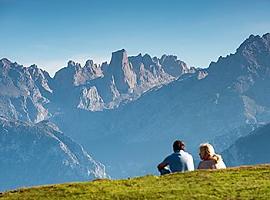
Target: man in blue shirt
179, 161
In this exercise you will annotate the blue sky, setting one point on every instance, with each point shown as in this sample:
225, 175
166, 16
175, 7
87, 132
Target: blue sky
51, 32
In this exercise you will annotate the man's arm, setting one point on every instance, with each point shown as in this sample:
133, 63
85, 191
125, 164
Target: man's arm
162, 166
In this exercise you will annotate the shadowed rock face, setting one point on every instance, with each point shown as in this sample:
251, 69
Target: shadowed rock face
251, 149
41, 154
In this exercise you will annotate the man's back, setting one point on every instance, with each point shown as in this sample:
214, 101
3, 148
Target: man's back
180, 161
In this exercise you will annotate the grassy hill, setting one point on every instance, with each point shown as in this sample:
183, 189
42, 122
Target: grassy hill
235, 183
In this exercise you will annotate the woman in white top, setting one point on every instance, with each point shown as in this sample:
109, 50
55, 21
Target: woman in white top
210, 160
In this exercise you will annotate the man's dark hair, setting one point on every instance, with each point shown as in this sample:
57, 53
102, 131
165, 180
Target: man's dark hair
178, 145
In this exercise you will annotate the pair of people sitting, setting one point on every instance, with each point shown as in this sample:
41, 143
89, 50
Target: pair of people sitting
181, 161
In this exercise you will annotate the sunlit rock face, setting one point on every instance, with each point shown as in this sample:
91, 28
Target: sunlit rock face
20, 92
124, 79
90, 100
30, 94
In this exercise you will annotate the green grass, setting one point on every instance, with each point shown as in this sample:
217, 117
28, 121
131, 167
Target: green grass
235, 183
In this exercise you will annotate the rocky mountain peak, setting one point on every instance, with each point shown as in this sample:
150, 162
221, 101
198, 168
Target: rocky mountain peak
119, 57
5, 61
255, 43
251, 57
163, 57
75, 66
266, 36
173, 66
136, 59
147, 60
42, 79
33, 66
35, 71
71, 63
89, 63
121, 71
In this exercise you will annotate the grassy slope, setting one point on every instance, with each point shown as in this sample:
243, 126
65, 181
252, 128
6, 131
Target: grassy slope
235, 183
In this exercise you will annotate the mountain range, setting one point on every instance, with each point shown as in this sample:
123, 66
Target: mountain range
219, 104
128, 112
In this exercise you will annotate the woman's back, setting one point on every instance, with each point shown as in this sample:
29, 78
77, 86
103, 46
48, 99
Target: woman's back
210, 160
212, 164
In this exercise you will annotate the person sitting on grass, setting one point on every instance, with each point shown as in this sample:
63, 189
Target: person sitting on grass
179, 161
210, 160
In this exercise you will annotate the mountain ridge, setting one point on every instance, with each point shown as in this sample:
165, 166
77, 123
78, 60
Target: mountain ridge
166, 101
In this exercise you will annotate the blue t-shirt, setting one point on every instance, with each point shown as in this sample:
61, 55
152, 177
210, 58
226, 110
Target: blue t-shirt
179, 161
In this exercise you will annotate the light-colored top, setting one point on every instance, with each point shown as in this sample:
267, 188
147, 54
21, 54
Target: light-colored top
211, 164
179, 161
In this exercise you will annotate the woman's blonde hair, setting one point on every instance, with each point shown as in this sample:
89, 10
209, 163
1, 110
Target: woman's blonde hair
208, 150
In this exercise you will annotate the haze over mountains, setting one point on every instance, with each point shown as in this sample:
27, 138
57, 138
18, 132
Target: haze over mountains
128, 112
35, 154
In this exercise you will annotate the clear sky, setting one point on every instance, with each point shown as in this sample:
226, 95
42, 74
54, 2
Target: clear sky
51, 32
